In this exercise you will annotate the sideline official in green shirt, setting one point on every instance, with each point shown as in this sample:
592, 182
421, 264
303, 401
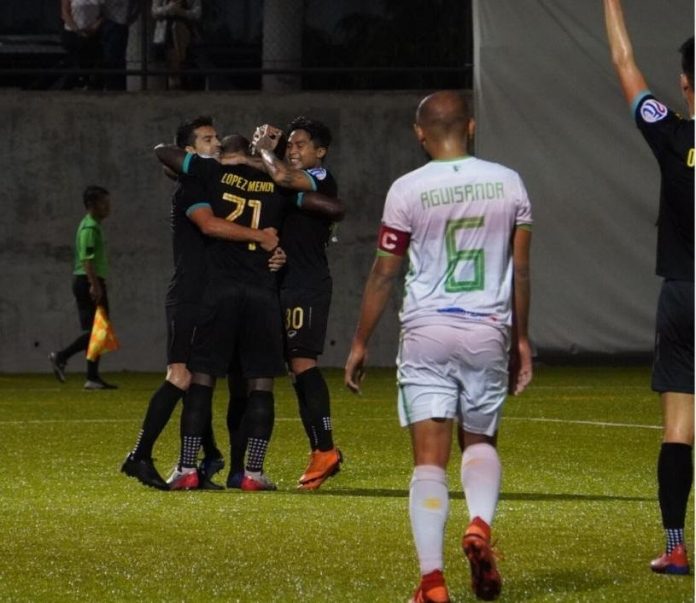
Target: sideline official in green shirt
90, 270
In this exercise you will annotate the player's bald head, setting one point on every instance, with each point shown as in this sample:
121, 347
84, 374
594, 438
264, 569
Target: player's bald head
234, 143
444, 113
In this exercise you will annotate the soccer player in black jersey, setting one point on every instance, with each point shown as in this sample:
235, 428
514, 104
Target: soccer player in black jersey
191, 223
671, 140
305, 288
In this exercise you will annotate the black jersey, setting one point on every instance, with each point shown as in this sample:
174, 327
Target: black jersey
305, 237
248, 197
671, 139
189, 278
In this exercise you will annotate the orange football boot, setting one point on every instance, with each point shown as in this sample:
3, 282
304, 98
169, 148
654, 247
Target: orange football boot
322, 465
432, 589
476, 543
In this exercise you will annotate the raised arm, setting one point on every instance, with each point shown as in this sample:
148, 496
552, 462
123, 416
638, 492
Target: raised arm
264, 142
171, 156
284, 175
631, 79
378, 288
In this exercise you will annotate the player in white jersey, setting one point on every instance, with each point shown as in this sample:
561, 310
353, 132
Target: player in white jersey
465, 225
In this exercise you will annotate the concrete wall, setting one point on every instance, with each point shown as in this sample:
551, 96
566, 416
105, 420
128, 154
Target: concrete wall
55, 144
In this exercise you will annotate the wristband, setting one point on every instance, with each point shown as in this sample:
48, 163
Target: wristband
300, 199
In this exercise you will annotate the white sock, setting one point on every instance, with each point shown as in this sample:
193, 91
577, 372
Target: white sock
428, 506
481, 472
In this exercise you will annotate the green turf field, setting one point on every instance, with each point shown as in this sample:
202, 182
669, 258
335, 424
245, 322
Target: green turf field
578, 518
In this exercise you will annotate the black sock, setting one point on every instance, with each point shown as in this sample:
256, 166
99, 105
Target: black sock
316, 396
79, 345
194, 418
258, 426
306, 417
93, 370
236, 409
675, 470
210, 449
159, 411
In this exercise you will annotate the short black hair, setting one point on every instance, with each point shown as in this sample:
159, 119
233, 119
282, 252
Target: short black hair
92, 194
185, 132
687, 61
318, 132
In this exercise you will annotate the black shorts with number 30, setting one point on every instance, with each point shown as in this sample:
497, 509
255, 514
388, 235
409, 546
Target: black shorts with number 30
673, 366
305, 315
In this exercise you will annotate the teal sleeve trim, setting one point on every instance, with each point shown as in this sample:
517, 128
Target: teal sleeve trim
312, 181
187, 162
637, 99
299, 200
196, 206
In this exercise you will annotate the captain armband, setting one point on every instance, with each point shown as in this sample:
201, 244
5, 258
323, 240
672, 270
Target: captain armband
392, 241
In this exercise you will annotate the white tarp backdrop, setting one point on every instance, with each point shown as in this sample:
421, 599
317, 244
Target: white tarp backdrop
548, 104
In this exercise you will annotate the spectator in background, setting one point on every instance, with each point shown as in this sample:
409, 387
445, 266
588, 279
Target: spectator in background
82, 20
118, 17
175, 28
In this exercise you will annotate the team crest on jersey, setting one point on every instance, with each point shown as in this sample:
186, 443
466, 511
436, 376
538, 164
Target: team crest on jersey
653, 110
318, 172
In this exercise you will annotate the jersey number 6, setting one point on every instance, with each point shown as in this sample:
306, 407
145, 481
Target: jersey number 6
454, 256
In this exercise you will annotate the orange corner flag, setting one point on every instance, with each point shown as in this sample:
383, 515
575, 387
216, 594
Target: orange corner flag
103, 338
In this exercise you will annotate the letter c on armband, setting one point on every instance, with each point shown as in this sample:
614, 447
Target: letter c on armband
392, 241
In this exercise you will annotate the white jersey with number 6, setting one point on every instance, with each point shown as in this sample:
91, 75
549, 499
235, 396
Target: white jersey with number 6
460, 215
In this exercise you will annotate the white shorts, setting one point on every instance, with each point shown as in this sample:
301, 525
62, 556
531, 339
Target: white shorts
453, 371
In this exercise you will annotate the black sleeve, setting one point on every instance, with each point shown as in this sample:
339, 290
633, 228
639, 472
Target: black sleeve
193, 192
656, 122
202, 168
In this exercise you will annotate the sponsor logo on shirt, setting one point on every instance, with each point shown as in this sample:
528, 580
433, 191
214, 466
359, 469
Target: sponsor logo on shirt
318, 172
653, 110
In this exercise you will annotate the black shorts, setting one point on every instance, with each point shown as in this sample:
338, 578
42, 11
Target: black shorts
673, 366
305, 314
86, 308
181, 327
240, 324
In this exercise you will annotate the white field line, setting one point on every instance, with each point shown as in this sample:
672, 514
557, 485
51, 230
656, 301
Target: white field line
376, 419
579, 422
